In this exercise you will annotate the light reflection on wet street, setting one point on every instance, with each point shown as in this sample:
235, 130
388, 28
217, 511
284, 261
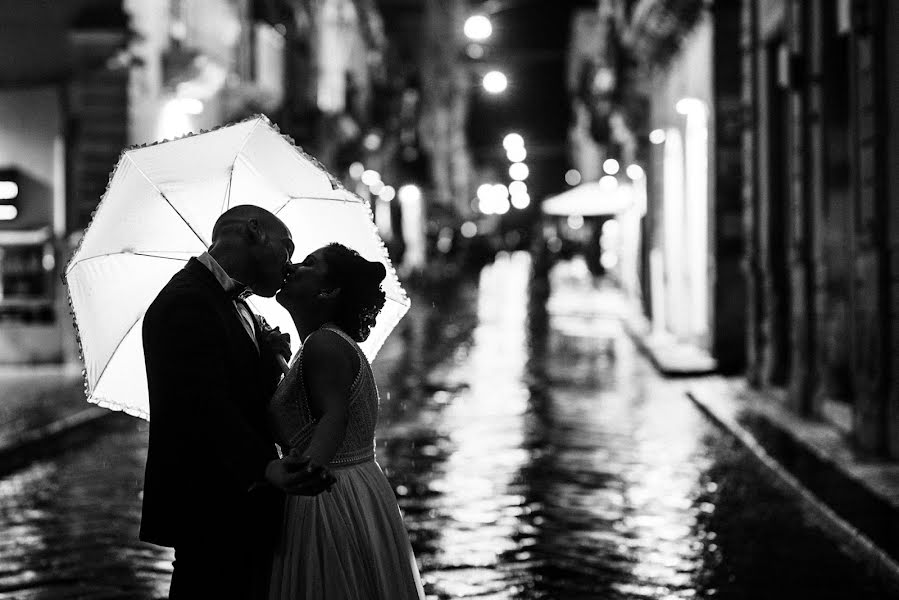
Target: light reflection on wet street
534, 454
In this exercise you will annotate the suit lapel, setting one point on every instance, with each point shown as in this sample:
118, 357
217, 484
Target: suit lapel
224, 306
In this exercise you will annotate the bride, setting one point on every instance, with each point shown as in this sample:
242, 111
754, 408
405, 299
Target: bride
351, 542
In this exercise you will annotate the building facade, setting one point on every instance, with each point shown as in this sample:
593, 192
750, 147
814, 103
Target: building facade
770, 236
658, 93
819, 149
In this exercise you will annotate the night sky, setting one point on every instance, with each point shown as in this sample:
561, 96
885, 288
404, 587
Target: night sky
529, 44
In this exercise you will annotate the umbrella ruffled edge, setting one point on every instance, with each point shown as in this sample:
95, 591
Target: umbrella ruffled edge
336, 184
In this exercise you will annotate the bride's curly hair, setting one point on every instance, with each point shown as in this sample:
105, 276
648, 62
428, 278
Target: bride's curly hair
361, 297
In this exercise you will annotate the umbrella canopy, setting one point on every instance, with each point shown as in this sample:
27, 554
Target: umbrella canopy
590, 199
159, 210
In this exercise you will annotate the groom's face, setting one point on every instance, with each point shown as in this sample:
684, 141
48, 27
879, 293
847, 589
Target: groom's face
273, 260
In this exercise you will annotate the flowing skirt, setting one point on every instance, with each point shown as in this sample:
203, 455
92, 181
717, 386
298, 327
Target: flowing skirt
349, 543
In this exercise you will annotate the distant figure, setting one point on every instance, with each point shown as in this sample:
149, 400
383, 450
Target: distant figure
214, 486
351, 542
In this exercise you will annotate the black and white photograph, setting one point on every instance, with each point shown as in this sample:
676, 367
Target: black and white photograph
449, 299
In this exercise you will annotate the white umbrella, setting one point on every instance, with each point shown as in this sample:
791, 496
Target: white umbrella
158, 210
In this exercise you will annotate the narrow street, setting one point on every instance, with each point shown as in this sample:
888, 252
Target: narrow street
534, 453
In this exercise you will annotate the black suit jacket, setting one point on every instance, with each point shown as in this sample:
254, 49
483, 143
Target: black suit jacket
209, 443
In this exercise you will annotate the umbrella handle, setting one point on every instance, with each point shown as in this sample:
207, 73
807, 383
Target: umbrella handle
282, 363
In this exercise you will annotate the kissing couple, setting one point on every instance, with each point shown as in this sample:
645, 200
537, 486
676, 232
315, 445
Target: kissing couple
317, 519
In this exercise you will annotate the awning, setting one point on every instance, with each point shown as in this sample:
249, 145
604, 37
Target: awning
590, 199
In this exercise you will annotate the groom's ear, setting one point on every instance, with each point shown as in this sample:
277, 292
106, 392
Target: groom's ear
256, 231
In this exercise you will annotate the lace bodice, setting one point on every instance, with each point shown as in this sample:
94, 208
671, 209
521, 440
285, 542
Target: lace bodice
291, 418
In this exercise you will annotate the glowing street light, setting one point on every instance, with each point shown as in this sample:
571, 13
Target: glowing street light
477, 28
8, 190
518, 171
356, 170
635, 172
513, 140
468, 229
688, 106
521, 201
370, 176
516, 188
516, 153
495, 82
611, 166
608, 183
409, 193
387, 193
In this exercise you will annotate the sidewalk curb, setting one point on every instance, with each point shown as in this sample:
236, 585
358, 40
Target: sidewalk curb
662, 355
43, 441
835, 525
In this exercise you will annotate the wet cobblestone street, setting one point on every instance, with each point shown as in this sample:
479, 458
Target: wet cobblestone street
534, 454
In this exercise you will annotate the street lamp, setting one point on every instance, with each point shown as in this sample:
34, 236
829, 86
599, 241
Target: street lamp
478, 28
635, 172
513, 140
387, 193
657, 136
495, 82
370, 176
519, 171
611, 166
517, 153
517, 188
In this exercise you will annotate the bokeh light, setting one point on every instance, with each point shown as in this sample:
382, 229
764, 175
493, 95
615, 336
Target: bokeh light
468, 229
611, 166
635, 172
521, 201
608, 183
572, 177
518, 188
356, 170
513, 140
477, 28
575, 221
516, 153
519, 171
495, 82
370, 176
387, 193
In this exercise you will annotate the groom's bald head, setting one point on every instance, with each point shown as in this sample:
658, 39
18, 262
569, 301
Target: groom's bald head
237, 220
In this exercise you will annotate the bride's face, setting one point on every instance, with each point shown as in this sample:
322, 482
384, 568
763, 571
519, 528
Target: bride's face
305, 280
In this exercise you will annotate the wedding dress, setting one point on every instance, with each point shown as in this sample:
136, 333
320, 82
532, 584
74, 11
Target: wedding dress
350, 542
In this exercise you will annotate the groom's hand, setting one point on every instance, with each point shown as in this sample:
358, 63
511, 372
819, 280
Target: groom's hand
298, 476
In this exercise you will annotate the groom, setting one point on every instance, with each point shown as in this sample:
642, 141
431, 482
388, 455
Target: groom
214, 486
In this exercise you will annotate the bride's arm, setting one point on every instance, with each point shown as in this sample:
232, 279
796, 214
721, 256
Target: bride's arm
328, 376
